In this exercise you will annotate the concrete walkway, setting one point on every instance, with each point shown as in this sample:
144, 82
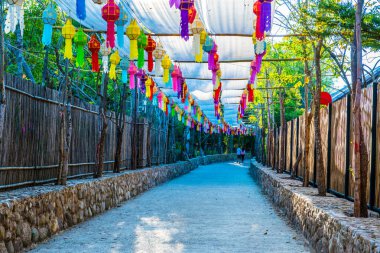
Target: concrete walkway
216, 208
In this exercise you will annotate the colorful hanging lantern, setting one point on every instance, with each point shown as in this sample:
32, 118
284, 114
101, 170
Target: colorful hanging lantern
251, 93
105, 51
184, 7
257, 11
111, 13
266, 16
133, 32
151, 46
142, 42
192, 14
49, 18
114, 60
132, 72
166, 62
124, 65
94, 47
68, 32
175, 74
120, 24
211, 57
15, 16
158, 54
202, 40
253, 71
196, 29
81, 9
174, 3
325, 98
208, 45
143, 79
80, 40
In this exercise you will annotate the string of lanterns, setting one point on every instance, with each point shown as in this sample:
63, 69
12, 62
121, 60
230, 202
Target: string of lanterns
191, 115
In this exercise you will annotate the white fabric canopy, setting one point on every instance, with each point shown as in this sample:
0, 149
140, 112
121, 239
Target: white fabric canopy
227, 17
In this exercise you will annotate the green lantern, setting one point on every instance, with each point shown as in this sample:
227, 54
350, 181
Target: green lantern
80, 40
142, 42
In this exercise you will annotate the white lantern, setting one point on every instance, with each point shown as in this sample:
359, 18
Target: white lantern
105, 51
15, 16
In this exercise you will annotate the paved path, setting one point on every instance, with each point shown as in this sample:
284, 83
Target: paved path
216, 208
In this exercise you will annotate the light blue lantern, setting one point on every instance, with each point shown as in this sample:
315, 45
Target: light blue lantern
49, 18
120, 23
124, 65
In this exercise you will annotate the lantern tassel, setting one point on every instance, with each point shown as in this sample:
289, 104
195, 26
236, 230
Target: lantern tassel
95, 62
185, 24
150, 62
120, 36
105, 63
211, 60
113, 72
165, 78
80, 56
140, 62
81, 9
124, 76
199, 57
266, 13
133, 54
158, 67
111, 34
47, 34
68, 49
132, 82
196, 44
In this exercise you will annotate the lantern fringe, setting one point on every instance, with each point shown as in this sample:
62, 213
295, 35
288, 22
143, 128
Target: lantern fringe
105, 63
112, 74
132, 85
120, 36
150, 62
80, 56
111, 34
158, 67
95, 62
211, 60
165, 78
185, 24
81, 9
141, 55
68, 49
266, 13
47, 34
199, 57
196, 43
133, 54
124, 76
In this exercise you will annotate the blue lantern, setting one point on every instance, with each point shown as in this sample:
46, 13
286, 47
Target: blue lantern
120, 23
49, 18
124, 65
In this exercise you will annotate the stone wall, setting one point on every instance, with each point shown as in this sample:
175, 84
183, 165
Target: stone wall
33, 214
326, 222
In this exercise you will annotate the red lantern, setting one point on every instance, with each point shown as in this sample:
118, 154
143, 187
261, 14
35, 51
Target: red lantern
151, 46
94, 47
192, 14
251, 94
111, 13
325, 98
216, 58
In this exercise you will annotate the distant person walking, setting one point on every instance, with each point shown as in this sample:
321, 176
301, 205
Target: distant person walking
238, 153
242, 155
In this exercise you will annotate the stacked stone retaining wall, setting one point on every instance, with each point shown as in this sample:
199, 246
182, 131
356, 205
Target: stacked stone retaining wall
326, 222
31, 215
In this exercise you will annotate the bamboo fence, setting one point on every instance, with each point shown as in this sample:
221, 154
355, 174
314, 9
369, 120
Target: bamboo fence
337, 145
29, 153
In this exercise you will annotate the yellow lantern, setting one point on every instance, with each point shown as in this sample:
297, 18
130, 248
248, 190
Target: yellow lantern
166, 62
115, 60
68, 33
133, 32
148, 84
202, 40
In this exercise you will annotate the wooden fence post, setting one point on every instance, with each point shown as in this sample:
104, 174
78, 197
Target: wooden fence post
328, 186
291, 146
372, 187
348, 130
